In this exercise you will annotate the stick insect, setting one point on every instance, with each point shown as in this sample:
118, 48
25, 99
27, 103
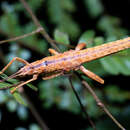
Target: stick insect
60, 63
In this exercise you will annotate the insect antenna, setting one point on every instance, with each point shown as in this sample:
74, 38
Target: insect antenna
11, 76
14, 85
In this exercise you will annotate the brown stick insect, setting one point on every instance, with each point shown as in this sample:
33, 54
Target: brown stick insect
60, 63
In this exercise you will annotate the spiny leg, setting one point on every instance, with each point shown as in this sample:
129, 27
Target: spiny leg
14, 59
80, 46
23, 83
91, 75
52, 51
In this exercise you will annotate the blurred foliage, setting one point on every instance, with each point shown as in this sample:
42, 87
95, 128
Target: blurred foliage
57, 91
94, 7
61, 15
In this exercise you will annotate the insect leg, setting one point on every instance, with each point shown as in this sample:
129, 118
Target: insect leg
53, 52
91, 75
23, 83
14, 59
52, 76
80, 46
88, 72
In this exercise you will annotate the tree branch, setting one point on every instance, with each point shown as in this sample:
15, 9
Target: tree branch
101, 105
81, 105
37, 23
35, 113
22, 36
21, 43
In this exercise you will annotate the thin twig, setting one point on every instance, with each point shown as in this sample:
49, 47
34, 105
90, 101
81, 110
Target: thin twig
37, 23
101, 105
23, 44
35, 113
81, 105
23, 36
38, 30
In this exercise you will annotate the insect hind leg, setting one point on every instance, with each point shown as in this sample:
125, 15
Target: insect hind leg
88, 73
91, 75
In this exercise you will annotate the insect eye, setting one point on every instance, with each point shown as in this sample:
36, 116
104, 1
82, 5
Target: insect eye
45, 63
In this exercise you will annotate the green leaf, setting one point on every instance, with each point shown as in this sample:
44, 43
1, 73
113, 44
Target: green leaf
4, 85
19, 98
34, 127
22, 112
116, 64
87, 37
12, 105
95, 7
110, 65
113, 93
9, 24
96, 67
111, 26
68, 5
3, 76
3, 97
60, 15
61, 37
32, 87
99, 40
34, 4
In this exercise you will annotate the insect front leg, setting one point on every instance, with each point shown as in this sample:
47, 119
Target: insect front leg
14, 59
91, 75
23, 83
80, 46
52, 51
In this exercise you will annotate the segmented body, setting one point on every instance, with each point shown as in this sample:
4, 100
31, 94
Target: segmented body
72, 59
